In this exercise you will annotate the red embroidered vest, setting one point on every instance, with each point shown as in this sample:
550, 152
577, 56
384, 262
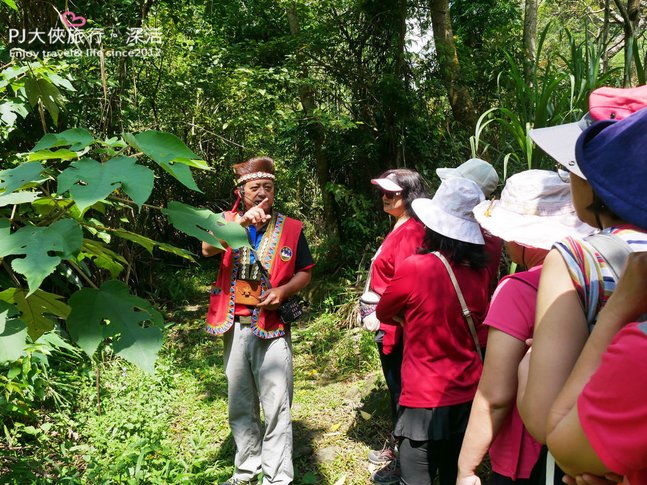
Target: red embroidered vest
279, 260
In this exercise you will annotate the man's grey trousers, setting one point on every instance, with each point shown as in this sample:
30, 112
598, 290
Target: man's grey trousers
260, 370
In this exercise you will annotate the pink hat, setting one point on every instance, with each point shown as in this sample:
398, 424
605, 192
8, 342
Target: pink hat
604, 104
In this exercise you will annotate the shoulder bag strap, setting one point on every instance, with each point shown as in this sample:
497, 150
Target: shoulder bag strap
466, 311
265, 275
613, 249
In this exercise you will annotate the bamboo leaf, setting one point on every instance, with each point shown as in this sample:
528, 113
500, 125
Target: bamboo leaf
150, 244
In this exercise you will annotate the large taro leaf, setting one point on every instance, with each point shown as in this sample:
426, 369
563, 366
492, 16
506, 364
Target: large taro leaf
15, 178
43, 247
90, 181
36, 309
13, 333
75, 138
170, 153
112, 312
205, 225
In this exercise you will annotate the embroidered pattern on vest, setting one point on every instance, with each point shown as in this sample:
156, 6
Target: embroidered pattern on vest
270, 248
267, 261
231, 306
250, 271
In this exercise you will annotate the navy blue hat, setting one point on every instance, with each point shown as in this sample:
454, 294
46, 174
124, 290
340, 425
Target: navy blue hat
613, 157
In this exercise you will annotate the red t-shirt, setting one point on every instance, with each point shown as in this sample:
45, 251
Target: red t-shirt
514, 452
440, 366
613, 405
396, 247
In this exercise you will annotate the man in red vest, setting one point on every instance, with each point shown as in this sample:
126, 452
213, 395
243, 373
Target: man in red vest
258, 351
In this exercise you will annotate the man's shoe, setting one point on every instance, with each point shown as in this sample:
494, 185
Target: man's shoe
238, 481
390, 474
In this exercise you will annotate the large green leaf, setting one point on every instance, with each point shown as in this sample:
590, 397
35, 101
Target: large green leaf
13, 336
75, 138
90, 181
18, 198
11, 3
112, 312
9, 111
14, 178
36, 308
102, 256
201, 223
43, 90
61, 154
43, 247
168, 152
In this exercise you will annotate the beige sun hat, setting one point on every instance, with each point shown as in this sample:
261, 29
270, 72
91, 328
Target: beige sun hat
535, 210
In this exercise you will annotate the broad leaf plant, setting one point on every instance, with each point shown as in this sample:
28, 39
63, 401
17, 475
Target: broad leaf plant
54, 207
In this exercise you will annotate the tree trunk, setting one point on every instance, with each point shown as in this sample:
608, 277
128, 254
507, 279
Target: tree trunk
394, 109
530, 40
630, 17
449, 66
316, 133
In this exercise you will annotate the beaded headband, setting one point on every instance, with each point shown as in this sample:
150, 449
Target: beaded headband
255, 176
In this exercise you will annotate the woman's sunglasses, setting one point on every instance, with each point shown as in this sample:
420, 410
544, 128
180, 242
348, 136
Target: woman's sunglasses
390, 195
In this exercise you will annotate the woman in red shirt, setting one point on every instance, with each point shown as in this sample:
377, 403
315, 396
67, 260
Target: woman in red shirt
441, 366
399, 187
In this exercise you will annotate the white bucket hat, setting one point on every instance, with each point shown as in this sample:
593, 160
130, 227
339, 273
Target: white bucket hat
450, 211
474, 169
535, 210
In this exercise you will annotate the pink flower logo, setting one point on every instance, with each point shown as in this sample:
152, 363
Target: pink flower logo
70, 19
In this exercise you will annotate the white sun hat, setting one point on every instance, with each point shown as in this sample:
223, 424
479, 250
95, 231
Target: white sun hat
450, 211
474, 169
388, 183
535, 210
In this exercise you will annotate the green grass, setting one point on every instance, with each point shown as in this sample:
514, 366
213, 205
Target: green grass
172, 427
